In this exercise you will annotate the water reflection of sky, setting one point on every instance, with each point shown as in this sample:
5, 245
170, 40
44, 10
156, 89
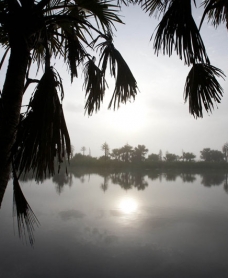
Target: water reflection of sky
170, 229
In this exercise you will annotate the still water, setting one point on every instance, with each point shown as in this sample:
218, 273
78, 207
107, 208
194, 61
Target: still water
120, 225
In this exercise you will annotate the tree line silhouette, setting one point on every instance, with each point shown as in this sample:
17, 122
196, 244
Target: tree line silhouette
129, 154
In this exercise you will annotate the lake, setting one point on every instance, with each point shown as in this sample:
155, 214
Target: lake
123, 225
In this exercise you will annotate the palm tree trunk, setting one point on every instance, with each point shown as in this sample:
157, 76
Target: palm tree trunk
10, 106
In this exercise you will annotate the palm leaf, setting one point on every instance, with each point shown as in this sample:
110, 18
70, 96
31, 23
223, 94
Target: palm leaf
94, 85
42, 137
177, 30
155, 7
38, 53
75, 54
102, 11
126, 85
202, 88
26, 219
216, 10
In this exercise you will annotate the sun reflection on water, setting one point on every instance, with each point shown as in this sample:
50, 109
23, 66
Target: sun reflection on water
128, 205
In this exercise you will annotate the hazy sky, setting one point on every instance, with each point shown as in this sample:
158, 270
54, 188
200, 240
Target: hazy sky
158, 118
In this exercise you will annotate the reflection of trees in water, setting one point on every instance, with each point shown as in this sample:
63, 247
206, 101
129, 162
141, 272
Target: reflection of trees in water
123, 179
188, 177
82, 179
62, 179
212, 179
226, 184
129, 180
171, 176
136, 179
139, 181
104, 185
154, 175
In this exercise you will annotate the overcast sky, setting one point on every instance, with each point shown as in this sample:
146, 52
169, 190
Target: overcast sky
158, 118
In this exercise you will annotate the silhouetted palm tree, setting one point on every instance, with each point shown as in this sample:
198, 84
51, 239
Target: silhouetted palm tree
37, 32
105, 148
83, 149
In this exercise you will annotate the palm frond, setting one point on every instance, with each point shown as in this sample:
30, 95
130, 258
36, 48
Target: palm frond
104, 13
126, 2
26, 219
75, 54
177, 30
202, 88
94, 85
126, 85
42, 136
217, 12
38, 53
154, 7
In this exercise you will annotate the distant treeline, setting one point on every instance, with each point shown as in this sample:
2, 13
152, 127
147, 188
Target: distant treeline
127, 156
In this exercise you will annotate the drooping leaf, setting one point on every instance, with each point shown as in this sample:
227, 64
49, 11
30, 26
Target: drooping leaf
75, 54
26, 219
217, 12
202, 88
126, 85
104, 13
94, 85
177, 31
42, 137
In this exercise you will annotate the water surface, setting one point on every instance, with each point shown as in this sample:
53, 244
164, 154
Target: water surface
120, 225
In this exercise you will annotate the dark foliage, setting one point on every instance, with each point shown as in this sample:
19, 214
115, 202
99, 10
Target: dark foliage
177, 30
217, 12
26, 219
94, 85
126, 85
43, 135
202, 87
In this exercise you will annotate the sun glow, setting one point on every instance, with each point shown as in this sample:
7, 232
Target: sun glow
127, 119
128, 205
